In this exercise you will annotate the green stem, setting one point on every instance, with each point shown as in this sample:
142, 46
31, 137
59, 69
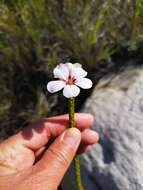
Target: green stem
71, 113
78, 181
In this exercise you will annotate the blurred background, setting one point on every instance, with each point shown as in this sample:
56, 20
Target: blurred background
106, 37
35, 35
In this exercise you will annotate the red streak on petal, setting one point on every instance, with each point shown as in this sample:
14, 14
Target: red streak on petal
70, 80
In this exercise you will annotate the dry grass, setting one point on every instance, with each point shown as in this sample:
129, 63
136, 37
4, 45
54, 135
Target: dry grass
37, 34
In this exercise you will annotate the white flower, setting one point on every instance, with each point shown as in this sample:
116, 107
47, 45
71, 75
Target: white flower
71, 77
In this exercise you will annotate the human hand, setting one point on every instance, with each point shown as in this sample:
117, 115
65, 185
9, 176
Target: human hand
38, 157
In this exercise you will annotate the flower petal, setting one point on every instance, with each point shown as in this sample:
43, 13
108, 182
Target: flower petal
70, 68
69, 65
77, 65
79, 72
61, 72
84, 83
71, 91
55, 86
75, 70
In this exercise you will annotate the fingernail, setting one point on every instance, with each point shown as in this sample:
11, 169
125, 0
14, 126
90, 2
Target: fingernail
72, 137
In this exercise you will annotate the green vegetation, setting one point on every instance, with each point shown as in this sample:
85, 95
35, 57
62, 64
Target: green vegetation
35, 35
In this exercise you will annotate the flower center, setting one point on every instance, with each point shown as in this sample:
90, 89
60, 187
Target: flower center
71, 80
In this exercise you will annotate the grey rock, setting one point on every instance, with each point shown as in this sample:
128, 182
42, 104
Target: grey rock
116, 163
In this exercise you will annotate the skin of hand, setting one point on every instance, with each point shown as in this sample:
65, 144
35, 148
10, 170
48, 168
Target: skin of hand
38, 157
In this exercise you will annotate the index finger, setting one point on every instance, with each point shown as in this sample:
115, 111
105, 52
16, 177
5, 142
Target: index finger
37, 135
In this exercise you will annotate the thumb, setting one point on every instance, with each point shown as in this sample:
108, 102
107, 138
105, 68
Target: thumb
58, 157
